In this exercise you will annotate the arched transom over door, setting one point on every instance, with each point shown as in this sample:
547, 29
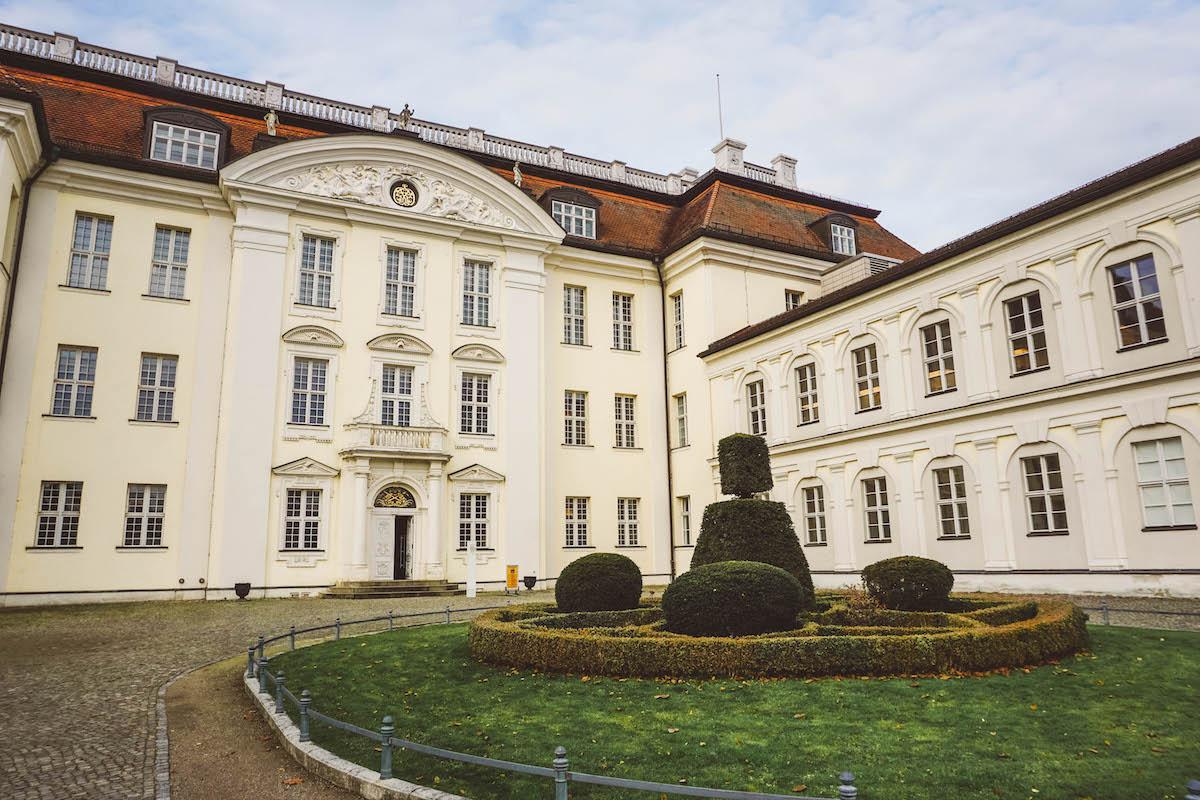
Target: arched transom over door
395, 497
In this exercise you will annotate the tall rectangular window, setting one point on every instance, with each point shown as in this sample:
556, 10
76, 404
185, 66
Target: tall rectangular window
1136, 302
574, 315
875, 503
156, 388
1044, 497
807, 408
627, 522
472, 520
574, 417
677, 311
477, 293
814, 515
1163, 483
90, 248
951, 489
843, 239
308, 391
575, 220
181, 145
395, 396
400, 283
623, 412
622, 321
576, 527
168, 270
792, 299
474, 410
939, 358
58, 514
866, 378
756, 404
74, 382
685, 520
681, 420
316, 272
144, 505
1026, 333
302, 520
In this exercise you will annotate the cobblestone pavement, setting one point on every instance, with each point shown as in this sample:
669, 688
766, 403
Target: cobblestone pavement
77, 713
80, 683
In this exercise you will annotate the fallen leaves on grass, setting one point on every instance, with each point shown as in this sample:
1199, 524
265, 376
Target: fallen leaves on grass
800, 788
293, 781
661, 696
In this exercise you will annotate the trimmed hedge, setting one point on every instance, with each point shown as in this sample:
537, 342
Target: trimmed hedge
909, 583
731, 598
497, 637
745, 465
599, 582
753, 530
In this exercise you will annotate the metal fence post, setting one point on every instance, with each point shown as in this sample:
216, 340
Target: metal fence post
389, 620
292, 635
560, 773
447, 614
385, 752
305, 701
847, 791
279, 691
1104, 610
260, 647
337, 624
263, 662
1193, 790
250, 661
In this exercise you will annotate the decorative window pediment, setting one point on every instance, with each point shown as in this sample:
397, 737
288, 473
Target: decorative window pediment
479, 352
476, 473
306, 466
313, 335
399, 343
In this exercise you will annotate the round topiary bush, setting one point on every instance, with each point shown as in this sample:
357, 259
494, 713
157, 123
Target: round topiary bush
909, 583
731, 598
599, 582
745, 465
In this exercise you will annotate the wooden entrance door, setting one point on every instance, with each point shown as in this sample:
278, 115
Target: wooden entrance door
400, 548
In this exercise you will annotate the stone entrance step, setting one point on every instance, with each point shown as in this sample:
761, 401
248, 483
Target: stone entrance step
379, 590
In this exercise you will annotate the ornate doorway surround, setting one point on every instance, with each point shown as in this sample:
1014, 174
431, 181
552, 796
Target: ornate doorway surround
394, 522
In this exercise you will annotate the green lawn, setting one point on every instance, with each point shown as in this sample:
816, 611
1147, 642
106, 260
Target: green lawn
1119, 723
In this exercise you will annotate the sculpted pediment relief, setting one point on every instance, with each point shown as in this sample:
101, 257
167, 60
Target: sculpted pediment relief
313, 334
479, 352
399, 343
306, 466
476, 473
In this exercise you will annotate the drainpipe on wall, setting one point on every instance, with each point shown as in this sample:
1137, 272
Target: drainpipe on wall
662, 290
10, 301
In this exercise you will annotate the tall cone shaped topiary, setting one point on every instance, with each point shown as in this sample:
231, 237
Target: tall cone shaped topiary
746, 529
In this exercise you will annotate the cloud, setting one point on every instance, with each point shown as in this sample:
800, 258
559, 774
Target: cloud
947, 117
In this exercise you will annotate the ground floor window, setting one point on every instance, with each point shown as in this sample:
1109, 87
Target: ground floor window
1163, 483
58, 513
472, 520
627, 522
951, 495
685, 519
1045, 499
814, 515
875, 501
302, 520
144, 507
576, 512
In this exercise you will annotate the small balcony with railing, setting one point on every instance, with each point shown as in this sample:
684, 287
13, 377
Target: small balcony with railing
374, 434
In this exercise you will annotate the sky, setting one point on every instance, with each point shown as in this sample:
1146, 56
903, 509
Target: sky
947, 116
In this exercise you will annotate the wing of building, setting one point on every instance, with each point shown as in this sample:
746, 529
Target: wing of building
252, 336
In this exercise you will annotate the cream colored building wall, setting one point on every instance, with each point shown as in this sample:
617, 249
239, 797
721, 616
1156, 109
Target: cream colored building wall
1088, 407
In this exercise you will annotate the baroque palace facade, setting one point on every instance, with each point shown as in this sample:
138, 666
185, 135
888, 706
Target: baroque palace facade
255, 336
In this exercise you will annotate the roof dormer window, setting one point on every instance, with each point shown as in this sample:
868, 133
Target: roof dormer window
184, 136
575, 220
843, 239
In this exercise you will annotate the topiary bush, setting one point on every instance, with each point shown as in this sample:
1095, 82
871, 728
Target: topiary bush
599, 582
745, 465
731, 598
909, 583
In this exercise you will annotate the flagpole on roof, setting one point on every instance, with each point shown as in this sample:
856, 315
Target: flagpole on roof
720, 113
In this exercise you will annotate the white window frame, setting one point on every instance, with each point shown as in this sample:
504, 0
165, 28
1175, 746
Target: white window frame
145, 513
477, 306
321, 245
625, 421
808, 408
576, 522
576, 220
476, 523
792, 298
685, 519
677, 312
575, 418
400, 285
953, 515
812, 499
1138, 301
938, 356
383, 316
471, 378
87, 267
204, 143
1053, 499
156, 388
1023, 343
168, 267
623, 321
575, 315
681, 420
628, 534
59, 512
67, 388
1176, 493
842, 237
309, 390
304, 520
396, 407
756, 406
877, 514
865, 362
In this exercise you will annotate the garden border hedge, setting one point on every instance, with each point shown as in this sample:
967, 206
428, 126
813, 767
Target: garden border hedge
1057, 630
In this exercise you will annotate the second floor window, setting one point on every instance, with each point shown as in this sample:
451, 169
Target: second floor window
875, 503
1026, 333
576, 513
1045, 499
574, 315
843, 239
951, 489
627, 522
575, 418
308, 391
144, 505
681, 420
677, 307
866, 378
756, 405
74, 381
1163, 483
316, 272
90, 247
473, 416
168, 272
302, 520
624, 414
400, 283
939, 358
622, 321
477, 297
1136, 303
395, 396
156, 388
814, 515
472, 520
807, 408
58, 514
792, 299
575, 220
181, 145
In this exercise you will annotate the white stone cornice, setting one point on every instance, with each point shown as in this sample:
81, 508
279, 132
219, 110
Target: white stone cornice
139, 187
18, 125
